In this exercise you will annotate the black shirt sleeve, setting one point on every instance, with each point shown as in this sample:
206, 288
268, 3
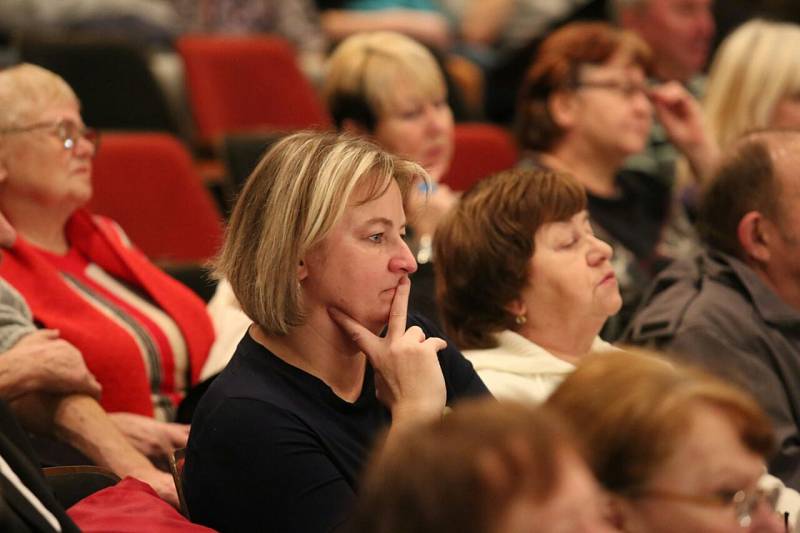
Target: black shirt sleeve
460, 377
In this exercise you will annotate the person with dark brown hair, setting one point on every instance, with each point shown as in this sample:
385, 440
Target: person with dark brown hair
524, 286
584, 108
484, 468
677, 449
735, 306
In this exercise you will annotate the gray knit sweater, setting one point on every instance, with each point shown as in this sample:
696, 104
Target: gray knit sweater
15, 316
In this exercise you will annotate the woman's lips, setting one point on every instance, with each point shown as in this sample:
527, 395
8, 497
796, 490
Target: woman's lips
608, 278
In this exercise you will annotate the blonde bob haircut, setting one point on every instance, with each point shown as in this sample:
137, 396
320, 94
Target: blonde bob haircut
754, 68
297, 193
631, 410
27, 89
364, 71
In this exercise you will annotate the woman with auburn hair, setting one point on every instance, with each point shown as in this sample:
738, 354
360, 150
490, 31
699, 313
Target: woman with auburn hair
584, 108
524, 286
315, 254
484, 468
677, 449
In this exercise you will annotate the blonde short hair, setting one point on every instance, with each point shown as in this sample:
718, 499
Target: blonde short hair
364, 70
754, 67
630, 409
297, 193
26, 89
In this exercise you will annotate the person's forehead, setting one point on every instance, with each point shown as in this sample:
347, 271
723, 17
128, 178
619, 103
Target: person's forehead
710, 448
618, 65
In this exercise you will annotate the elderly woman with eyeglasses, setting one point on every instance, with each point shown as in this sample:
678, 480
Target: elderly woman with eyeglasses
142, 334
585, 108
676, 449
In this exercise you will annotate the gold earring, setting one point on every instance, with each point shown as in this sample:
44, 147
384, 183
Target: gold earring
520, 319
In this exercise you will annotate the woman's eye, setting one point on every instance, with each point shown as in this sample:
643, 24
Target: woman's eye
568, 244
411, 114
376, 238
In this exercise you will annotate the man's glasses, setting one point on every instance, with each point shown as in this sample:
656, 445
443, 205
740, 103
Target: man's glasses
625, 88
744, 502
67, 131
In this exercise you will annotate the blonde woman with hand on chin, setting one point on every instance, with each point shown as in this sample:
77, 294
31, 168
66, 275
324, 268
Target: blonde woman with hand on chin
316, 257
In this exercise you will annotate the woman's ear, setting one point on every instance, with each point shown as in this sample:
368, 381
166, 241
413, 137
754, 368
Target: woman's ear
517, 308
356, 128
561, 105
619, 513
755, 236
302, 270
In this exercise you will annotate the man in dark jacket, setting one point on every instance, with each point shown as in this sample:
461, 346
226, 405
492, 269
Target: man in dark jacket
735, 307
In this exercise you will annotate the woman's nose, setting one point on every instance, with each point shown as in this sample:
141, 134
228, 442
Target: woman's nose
438, 117
600, 251
84, 147
403, 260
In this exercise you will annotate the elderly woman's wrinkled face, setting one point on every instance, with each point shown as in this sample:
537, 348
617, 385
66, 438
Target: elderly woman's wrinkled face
419, 129
570, 275
708, 485
576, 506
37, 168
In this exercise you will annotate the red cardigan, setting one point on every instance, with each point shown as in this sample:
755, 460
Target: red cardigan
106, 347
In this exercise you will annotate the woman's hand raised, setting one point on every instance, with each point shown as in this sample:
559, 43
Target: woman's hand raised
408, 378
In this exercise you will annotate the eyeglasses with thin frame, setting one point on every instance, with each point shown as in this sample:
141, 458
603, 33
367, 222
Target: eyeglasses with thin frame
628, 89
67, 131
743, 502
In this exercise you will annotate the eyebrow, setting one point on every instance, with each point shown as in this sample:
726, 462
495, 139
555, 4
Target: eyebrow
383, 221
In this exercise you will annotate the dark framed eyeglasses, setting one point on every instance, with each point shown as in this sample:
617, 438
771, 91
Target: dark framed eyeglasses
743, 502
67, 131
627, 89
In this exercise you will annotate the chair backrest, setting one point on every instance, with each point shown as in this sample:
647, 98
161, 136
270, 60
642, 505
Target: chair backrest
176, 461
239, 83
112, 79
242, 152
480, 150
147, 182
71, 484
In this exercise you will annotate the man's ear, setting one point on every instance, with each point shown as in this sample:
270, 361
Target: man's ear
755, 235
356, 128
561, 105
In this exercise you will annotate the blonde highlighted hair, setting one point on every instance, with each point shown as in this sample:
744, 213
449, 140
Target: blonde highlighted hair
754, 68
289, 204
365, 70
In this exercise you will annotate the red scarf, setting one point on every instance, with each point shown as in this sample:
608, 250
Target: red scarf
104, 345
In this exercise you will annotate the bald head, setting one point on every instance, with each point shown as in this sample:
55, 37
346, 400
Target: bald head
751, 210
748, 178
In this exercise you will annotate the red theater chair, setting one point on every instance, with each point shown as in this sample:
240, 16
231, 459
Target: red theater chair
147, 182
247, 83
480, 150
